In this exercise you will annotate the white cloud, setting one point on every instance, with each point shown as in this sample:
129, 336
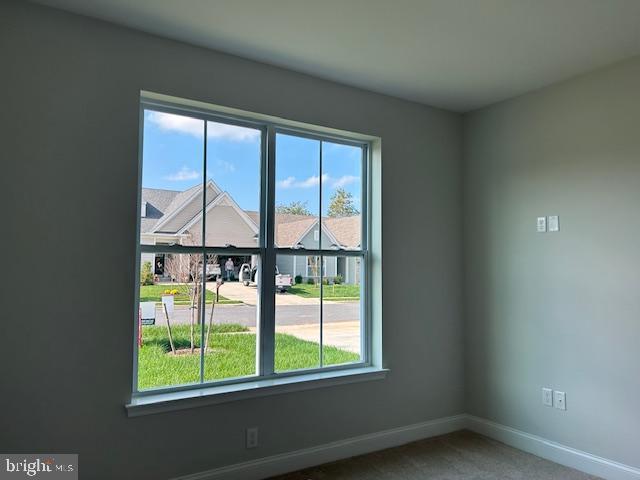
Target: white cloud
194, 127
344, 180
287, 182
314, 180
291, 182
183, 174
226, 166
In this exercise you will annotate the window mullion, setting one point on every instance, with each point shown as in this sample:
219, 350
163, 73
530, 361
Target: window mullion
266, 330
203, 288
321, 257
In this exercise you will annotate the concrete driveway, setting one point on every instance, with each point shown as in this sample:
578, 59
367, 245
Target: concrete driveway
248, 295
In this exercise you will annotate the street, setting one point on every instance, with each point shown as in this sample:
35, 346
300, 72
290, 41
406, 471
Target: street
285, 314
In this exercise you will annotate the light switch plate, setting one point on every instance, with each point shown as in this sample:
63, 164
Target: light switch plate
547, 397
554, 223
252, 437
542, 224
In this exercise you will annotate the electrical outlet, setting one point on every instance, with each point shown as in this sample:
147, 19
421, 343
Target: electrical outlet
547, 397
560, 401
252, 437
554, 223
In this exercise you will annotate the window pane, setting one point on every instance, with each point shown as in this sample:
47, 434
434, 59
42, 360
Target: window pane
297, 192
173, 154
341, 307
232, 187
231, 317
168, 319
297, 326
341, 196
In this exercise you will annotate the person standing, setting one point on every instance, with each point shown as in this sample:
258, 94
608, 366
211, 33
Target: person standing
228, 267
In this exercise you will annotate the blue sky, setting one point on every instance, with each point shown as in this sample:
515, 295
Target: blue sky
173, 153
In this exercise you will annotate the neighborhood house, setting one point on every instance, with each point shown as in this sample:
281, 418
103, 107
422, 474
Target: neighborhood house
175, 217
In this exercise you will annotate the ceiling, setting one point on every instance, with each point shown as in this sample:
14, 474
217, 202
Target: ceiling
455, 54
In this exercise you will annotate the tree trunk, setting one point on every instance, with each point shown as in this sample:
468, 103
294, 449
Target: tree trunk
193, 306
206, 347
166, 314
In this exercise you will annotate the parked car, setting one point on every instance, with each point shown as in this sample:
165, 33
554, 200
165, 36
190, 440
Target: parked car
248, 277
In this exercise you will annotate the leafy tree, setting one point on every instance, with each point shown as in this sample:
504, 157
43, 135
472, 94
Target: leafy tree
146, 274
294, 208
341, 204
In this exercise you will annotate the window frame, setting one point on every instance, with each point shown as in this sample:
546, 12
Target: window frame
266, 250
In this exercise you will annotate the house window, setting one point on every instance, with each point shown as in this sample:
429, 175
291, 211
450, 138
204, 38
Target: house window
225, 202
313, 266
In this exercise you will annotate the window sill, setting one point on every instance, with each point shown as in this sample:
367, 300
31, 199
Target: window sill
165, 402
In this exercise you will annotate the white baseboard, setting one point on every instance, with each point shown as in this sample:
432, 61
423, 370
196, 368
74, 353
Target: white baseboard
553, 451
330, 452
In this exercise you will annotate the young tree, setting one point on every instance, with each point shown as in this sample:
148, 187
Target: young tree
341, 204
294, 208
187, 270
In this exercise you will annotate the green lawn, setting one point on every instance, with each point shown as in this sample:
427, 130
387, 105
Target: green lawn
232, 351
330, 292
153, 293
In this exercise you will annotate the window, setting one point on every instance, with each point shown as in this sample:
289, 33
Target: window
225, 200
313, 266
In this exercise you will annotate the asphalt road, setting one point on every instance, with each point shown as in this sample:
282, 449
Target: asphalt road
285, 314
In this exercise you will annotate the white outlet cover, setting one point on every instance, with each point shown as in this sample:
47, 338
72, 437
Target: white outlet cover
554, 223
560, 400
547, 397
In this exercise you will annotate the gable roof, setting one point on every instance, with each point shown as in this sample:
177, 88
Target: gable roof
158, 202
223, 199
290, 228
347, 230
289, 234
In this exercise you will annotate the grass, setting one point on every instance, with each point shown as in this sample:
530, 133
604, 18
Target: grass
153, 293
329, 292
232, 353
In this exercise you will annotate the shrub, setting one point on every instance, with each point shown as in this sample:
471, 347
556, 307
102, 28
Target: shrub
325, 281
146, 274
337, 279
298, 279
311, 281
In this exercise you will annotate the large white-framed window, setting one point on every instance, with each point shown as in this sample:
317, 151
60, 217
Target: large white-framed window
226, 196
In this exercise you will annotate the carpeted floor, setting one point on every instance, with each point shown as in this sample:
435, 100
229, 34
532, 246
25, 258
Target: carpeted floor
458, 456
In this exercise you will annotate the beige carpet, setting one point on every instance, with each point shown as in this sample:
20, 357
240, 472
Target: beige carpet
457, 456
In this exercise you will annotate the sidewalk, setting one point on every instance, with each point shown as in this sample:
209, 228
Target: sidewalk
343, 335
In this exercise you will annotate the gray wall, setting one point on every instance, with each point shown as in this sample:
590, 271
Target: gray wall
69, 123
559, 310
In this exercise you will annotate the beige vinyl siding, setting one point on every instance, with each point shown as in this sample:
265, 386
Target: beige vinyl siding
226, 226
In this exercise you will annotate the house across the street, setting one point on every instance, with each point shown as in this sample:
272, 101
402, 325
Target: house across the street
174, 217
